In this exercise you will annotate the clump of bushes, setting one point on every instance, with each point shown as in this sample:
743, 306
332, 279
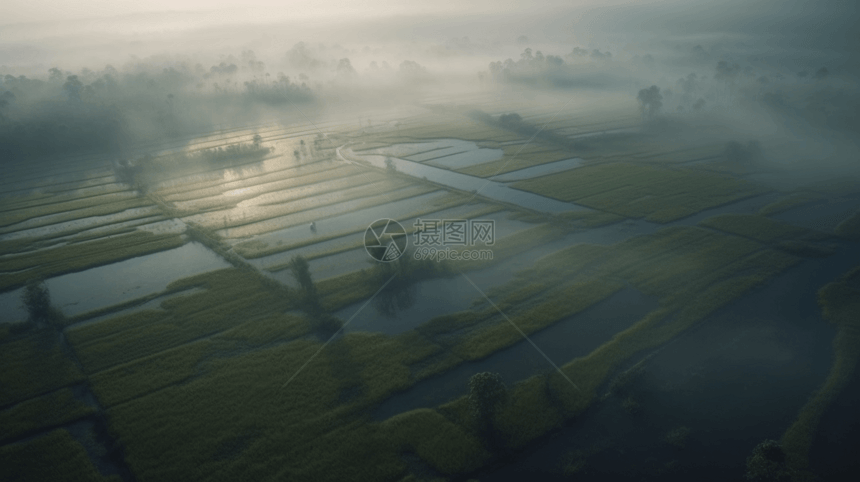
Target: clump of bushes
487, 393
767, 463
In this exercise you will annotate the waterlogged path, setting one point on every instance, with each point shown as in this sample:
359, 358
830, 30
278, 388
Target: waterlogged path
462, 182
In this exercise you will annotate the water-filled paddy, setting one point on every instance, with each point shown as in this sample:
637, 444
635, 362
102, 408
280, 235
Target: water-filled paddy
104, 286
328, 221
537, 171
562, 341
486, 188
740, 377
356, 239
11, 307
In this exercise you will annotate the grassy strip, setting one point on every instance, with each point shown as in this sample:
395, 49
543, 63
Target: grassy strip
51, 410
76, 257
850, 228
447, 447
303, 431
145, 375
273, 428
75, 235
313, 428
512, 161
754, 226
558, 304
19, 203
33, 365
787, 202
840, 303
232, 296
68, 211
636, 190
68, 321
56, 456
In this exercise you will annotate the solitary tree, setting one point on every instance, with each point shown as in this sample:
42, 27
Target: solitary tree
37, 300
487, 392
301, 271
650, 101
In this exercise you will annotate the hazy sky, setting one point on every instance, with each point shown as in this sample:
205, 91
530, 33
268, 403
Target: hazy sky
16, 11
36, 33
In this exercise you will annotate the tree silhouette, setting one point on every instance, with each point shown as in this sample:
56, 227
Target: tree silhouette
487, 392
73, 87
37, 301
767, 463
650, 101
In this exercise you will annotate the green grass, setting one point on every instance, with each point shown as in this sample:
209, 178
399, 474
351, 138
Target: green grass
850, 228
231, 297
59, 204
217, 408
788, 202
723, 268
239, 396
80, 209
754, 226
56, 456
445, 446
33, 365
514, 158
531, 317
51, 410
635, 190
840, 304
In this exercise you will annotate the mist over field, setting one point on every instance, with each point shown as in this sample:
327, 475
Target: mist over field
101, 75
494, 240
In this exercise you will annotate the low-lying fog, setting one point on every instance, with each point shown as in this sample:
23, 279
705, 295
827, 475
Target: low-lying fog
780, 77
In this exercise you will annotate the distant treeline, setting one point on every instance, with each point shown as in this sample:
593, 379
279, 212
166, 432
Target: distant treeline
110, 111
513, 122
536, 67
